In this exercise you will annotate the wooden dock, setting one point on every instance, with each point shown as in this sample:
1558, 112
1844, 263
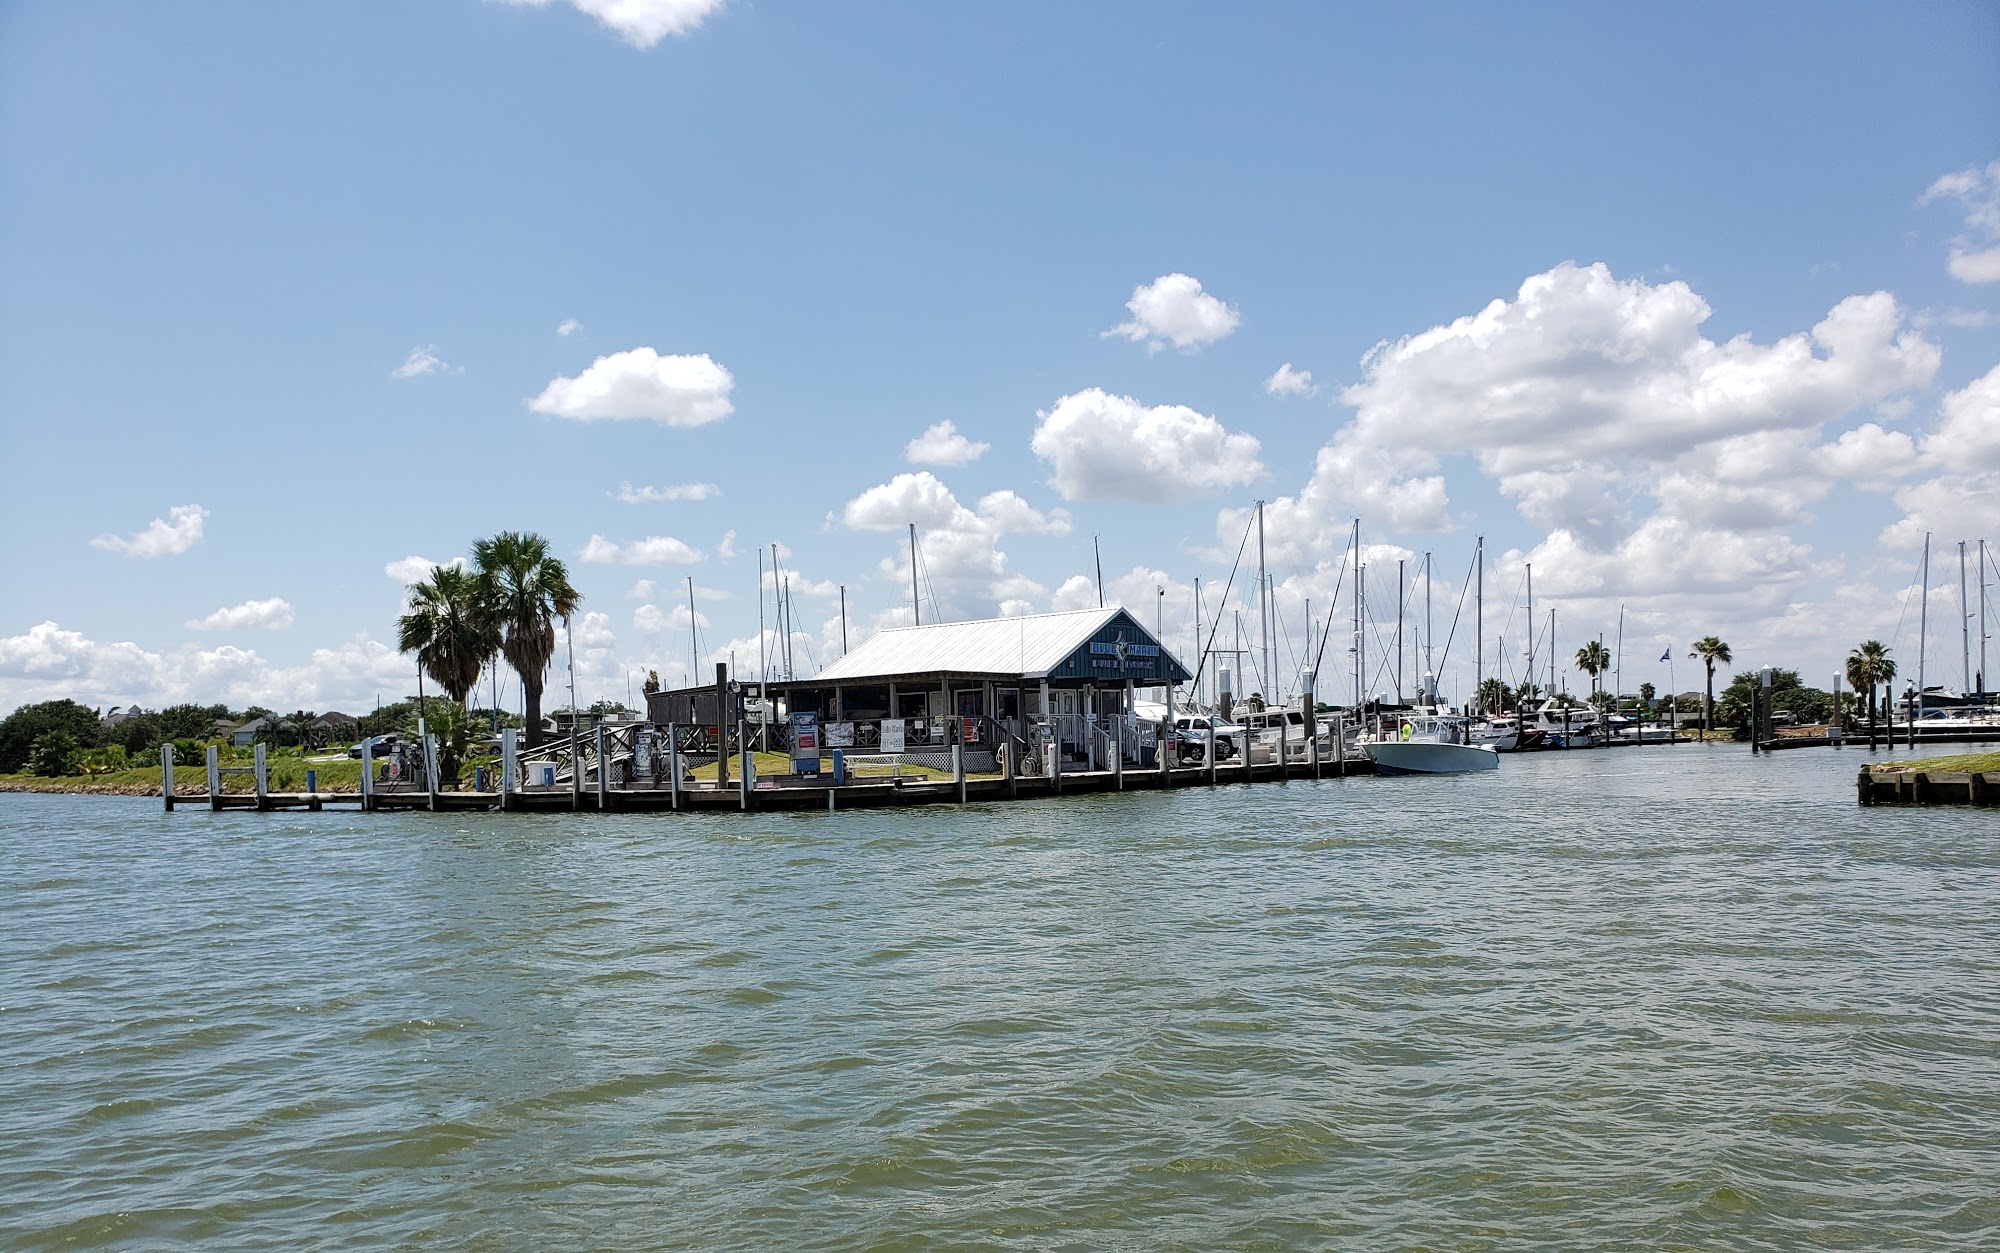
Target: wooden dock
785, 792
1927, 787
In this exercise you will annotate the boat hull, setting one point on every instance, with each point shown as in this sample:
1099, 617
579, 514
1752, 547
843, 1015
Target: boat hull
1426, 757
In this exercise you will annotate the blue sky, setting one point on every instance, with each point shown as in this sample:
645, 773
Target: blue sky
1697, 310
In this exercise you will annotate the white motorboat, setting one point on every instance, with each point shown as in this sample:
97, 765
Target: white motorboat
1428, 744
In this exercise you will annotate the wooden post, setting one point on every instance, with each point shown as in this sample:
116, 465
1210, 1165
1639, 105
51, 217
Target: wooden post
1055, 754
214, 778
261, 770
368, 775
1211, 750
722, 726
603, 772
167, 775
1285, 748
958, 756
673, 768
431, 769
1340, 746
1012, 768
743, 780
508, 770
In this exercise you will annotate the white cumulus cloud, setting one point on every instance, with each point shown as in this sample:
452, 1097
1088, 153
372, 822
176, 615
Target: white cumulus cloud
641, 384
423, 359
1285, 381
1173, 309
1975, 252
673, 491
961, 562
1102, 446
942, 445
48, 661
652, 620
170, 536
643, 23
271, 614
413, 569
654, 550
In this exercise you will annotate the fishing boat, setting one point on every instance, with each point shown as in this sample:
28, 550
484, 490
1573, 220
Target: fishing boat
1427, 744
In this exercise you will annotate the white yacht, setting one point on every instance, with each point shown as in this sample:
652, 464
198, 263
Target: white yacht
1421, 743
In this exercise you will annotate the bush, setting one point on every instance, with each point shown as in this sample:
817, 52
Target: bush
25, 726
53, 755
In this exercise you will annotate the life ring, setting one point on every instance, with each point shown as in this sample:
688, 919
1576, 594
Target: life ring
1408, 730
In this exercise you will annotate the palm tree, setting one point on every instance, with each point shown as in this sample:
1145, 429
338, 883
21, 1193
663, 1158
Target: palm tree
1593, 659
1868, 665
524, 591
1493, 696
449, 630
1711, 651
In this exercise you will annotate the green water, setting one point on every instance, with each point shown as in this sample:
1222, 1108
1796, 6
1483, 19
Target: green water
1672, 998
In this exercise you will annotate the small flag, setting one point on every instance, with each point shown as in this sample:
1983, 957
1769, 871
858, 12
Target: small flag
1668, 655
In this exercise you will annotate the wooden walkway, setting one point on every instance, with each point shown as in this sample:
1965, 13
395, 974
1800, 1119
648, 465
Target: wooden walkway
780, 793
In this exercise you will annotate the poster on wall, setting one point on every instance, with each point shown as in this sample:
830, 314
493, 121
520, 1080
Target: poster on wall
840, 735
892, 735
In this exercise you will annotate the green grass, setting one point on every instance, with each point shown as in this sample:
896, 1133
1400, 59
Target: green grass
1964, 763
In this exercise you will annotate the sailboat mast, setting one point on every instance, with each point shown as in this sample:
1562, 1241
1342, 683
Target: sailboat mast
1923, 628
1098, 557
1479, 623
1264, 612
1531, 623
1552, 650
916, 607
843, 619
694, 645
1618, 658
1982, 620
1430, 637
1357, 616
1399, 630
763, 660
1964, 623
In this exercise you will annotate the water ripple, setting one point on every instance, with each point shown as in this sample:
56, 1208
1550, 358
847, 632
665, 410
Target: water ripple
1678, 999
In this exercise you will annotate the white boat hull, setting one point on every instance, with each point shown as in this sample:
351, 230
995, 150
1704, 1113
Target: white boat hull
1430, 757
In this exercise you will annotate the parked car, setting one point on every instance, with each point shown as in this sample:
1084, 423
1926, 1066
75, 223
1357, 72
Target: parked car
384, 745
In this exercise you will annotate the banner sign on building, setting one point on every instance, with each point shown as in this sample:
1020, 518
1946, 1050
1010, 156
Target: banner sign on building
892, 735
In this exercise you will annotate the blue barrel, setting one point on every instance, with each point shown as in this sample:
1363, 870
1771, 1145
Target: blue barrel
840, 767
312, 781
479, 778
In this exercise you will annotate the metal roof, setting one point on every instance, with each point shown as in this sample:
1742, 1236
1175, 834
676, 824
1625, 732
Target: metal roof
1028, 646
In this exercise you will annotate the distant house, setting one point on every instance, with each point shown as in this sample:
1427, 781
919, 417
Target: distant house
224, 727
247, 733
116, 716
336, 723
